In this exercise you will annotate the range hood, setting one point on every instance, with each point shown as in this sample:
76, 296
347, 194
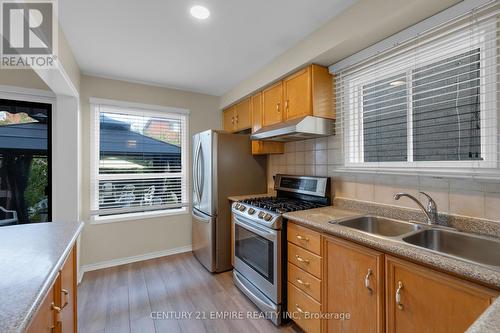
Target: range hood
303, 128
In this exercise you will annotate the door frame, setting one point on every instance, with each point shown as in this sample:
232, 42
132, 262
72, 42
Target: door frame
31, 95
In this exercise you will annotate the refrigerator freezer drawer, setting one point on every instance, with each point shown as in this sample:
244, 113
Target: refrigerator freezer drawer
203, 233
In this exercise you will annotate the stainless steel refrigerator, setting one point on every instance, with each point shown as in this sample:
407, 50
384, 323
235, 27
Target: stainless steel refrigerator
223, 165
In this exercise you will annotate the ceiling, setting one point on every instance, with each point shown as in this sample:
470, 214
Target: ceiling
158, 42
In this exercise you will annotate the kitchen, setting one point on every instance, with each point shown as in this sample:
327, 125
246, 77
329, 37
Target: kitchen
342, 177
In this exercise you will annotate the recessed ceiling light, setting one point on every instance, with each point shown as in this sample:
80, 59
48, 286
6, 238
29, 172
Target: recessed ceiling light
200, 12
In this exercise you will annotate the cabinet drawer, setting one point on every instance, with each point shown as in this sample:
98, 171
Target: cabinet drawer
304, 259
304, 281
304, 309
305, 238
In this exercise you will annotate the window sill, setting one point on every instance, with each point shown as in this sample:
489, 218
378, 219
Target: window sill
489, 175
137, 216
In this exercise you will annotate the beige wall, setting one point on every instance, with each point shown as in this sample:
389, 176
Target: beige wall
322, 157
67, 59
25, 78
359, 26
102, 242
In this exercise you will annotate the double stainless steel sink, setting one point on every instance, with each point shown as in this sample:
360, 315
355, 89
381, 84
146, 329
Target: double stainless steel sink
470, 247
380, 225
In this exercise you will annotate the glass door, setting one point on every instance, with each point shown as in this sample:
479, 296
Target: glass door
25, 162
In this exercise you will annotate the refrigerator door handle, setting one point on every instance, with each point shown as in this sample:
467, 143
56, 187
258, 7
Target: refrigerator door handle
201, 171
195, 172
200, 217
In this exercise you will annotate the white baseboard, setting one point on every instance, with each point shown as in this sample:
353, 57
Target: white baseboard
128, 260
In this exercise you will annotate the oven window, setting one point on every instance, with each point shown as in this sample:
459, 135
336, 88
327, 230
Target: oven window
255, 251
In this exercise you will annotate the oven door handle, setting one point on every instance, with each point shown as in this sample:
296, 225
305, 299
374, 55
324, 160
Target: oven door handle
270, 235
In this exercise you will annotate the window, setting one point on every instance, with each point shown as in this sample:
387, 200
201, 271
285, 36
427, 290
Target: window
139, 160
25, 163
432, 104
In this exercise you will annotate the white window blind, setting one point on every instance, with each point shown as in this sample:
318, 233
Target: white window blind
139, 160
430, 104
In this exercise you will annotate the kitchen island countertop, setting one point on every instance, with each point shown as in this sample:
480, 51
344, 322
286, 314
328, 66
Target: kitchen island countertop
31, 256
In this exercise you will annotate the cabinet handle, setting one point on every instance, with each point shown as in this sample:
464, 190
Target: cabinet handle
299, 281
367, 281
305, 261
65, 293
398, 295
57, 310
278, 107
299, 310
286, 105
299, 237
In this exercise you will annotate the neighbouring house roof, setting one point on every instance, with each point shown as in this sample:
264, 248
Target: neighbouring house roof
115, 137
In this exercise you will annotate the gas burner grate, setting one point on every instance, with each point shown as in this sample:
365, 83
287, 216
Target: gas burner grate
281, 205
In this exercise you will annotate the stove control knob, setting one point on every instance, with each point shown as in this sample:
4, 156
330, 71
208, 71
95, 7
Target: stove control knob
261, 215
268, 217
251, 211
242, 208
237, 206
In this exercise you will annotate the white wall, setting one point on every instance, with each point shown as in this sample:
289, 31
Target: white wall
359, 26
112, 241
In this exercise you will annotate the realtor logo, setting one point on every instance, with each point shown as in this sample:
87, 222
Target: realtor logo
29, 34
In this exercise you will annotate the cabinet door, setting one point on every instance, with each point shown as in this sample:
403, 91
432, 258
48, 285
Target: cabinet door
354, 277
272, 104
242, 115
44, 319
68, 294
256, 102
228, 119
262, 147
430, 299
297, 92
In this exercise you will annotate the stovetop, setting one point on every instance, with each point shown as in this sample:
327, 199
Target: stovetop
281, 205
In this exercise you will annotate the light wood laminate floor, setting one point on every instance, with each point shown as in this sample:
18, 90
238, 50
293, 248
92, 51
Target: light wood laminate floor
121, 299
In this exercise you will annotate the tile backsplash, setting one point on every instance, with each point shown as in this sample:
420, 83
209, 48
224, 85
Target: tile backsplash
321, 157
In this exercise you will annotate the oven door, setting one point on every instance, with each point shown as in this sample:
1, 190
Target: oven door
257, 256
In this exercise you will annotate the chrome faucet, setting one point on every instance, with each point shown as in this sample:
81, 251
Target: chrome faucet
430, 211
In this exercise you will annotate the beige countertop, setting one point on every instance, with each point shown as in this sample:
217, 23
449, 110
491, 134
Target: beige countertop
30, 258
319, 219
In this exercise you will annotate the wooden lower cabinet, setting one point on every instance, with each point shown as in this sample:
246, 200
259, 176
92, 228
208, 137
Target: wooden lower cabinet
44, 320
353, 284
304, 277
68, 294
58, 311
420, 299
304, 309
378, 292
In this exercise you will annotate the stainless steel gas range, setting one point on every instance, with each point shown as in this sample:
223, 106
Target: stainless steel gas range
260, 239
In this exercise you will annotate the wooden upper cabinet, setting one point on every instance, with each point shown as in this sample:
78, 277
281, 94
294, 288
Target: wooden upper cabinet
297, 94
262, 147
272, 104
420, 299
256, 102
238, 117
309, 92
353, 283
243, 115
228, 119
